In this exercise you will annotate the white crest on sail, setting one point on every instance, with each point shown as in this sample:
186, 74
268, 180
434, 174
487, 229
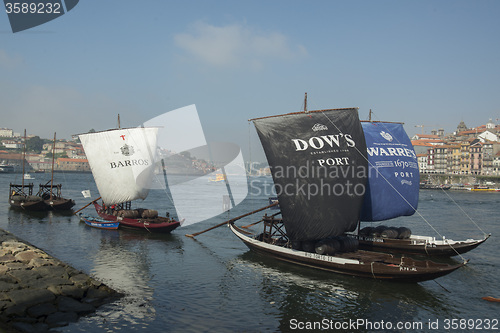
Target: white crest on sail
122, 162
386, 136
319, 127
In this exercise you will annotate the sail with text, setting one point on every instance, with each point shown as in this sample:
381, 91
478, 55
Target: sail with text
318, 164
393, 175
122, 162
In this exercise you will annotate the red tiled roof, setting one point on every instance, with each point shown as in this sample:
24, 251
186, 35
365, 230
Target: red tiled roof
76, 160
428, 136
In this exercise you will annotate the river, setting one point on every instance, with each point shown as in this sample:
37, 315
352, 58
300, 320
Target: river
214, 284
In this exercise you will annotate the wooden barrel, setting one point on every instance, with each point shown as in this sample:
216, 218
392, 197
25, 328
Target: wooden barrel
378, 230
404, 233
308, 246
18, 198
389, 233
297, 245
327, 246
131, 214
149, 214
366, 231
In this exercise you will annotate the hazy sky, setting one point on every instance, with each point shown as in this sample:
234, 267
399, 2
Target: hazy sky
431, 63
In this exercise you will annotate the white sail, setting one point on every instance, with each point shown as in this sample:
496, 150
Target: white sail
122, 162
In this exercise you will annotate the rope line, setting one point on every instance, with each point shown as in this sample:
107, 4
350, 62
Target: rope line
402, 196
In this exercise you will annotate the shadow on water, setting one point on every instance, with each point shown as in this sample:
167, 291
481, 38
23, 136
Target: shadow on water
309, 295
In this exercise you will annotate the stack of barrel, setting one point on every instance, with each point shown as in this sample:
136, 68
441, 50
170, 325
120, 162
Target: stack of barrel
328, 246
338, 244
138, 213
386, 232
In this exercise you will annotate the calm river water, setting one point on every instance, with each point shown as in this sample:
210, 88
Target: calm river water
214, 284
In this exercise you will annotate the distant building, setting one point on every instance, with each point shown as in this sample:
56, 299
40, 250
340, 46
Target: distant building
72, 164
496, 164
487, 136
422, 163
6, 132
461, 127
475, 152
12, 144
426, 137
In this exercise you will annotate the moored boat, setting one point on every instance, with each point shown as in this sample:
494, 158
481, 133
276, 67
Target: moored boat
371, 240
21, 195
51, 193
122, 163
367, 264
137, 219
392, 191
319, 166
99, 223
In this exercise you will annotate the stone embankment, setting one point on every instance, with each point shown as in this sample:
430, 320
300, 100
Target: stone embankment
39, 292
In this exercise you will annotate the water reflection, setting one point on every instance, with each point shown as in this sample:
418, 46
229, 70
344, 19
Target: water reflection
307, 295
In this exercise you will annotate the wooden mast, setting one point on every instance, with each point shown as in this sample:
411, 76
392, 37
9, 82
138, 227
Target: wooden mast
24, 157
305, 103
52, 172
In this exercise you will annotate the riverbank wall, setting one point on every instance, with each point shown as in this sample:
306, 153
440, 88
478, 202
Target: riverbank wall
458, 179
39, 292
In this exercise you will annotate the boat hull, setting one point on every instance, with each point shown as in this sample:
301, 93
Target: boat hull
29, 205
158, 225
100, 223
419, 245
60, 204
365, 264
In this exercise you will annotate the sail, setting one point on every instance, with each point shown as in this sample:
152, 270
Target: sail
393, 176
318, 163
122, 162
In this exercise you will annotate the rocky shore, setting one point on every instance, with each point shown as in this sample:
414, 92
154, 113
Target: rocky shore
39, 292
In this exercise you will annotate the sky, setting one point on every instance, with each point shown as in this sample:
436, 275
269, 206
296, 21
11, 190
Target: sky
430, 63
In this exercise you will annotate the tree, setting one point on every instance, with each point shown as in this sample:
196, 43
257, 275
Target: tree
34, 144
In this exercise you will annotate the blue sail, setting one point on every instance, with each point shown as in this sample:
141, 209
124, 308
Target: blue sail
393, 175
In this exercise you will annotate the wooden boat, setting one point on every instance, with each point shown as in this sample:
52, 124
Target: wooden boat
21, 195
99, 223
122, 163
367, 264
153, 224
393, 191
51, 193
319, 167
418, 245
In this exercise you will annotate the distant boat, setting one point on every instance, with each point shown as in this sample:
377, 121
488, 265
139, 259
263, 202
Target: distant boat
28, 176
21, 195
484, 188
219, 177
393, 191
51, 193
327, 150
427, 186
99, 223
122, 163
5, 168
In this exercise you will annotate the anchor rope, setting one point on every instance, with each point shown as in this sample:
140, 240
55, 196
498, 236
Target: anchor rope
402, 196
463, 211
456, 203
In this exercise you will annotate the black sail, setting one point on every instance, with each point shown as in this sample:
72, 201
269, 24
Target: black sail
318, 163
